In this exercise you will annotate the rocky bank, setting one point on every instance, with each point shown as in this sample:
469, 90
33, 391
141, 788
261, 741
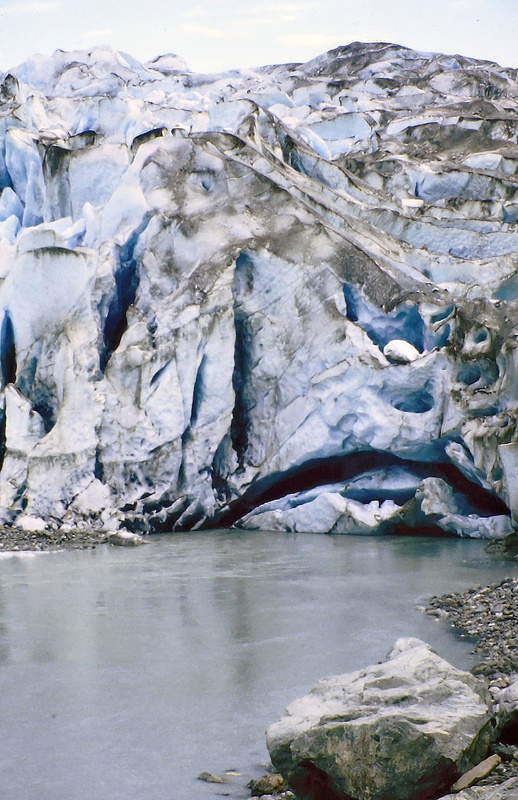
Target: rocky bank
489, 616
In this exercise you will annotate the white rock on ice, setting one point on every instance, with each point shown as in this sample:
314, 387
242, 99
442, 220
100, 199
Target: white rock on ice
400, 352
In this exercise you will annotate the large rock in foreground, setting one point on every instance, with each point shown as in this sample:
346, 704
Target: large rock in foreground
402, 729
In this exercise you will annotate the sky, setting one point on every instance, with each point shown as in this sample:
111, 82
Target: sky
215, 35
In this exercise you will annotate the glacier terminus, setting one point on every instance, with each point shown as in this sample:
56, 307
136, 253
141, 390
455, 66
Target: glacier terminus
282, 298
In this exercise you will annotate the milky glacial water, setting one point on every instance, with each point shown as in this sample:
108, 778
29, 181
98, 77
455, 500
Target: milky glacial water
125, 672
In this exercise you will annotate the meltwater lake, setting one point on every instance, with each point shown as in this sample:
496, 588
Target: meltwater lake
126, 672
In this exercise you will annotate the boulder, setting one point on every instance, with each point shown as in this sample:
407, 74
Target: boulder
507, 710
400, 352
405, 728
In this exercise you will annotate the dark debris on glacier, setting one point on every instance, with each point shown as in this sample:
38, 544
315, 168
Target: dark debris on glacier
281, 298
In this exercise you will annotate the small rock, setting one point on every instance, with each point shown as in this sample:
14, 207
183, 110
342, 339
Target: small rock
209, 777
267, 784
506, 752
476, 773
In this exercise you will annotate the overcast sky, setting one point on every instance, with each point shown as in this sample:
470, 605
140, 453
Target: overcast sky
213, 35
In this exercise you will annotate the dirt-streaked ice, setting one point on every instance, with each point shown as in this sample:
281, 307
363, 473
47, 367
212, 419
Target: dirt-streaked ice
222, 292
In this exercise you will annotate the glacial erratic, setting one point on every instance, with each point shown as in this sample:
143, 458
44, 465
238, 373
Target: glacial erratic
405, 728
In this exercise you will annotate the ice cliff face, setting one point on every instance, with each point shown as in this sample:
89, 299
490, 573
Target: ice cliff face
281, 298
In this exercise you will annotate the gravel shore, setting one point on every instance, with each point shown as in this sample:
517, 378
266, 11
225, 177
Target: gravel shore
15, 539
489, 615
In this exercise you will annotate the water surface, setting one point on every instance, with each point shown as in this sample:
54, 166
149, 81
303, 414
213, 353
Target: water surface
125, 672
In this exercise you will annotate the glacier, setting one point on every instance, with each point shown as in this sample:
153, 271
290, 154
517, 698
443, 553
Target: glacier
280, 298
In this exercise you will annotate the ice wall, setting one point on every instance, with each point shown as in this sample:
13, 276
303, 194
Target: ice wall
279, 298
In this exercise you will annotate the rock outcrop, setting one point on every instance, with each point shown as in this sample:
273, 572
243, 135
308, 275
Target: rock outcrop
405, 728
283, 297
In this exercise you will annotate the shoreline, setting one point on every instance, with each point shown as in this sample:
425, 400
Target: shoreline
16, 540
488, 616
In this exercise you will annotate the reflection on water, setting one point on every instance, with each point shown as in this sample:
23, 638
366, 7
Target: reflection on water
124, 673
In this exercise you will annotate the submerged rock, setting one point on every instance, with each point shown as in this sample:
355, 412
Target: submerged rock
209, 777
222, 292
407, 727
505, 548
